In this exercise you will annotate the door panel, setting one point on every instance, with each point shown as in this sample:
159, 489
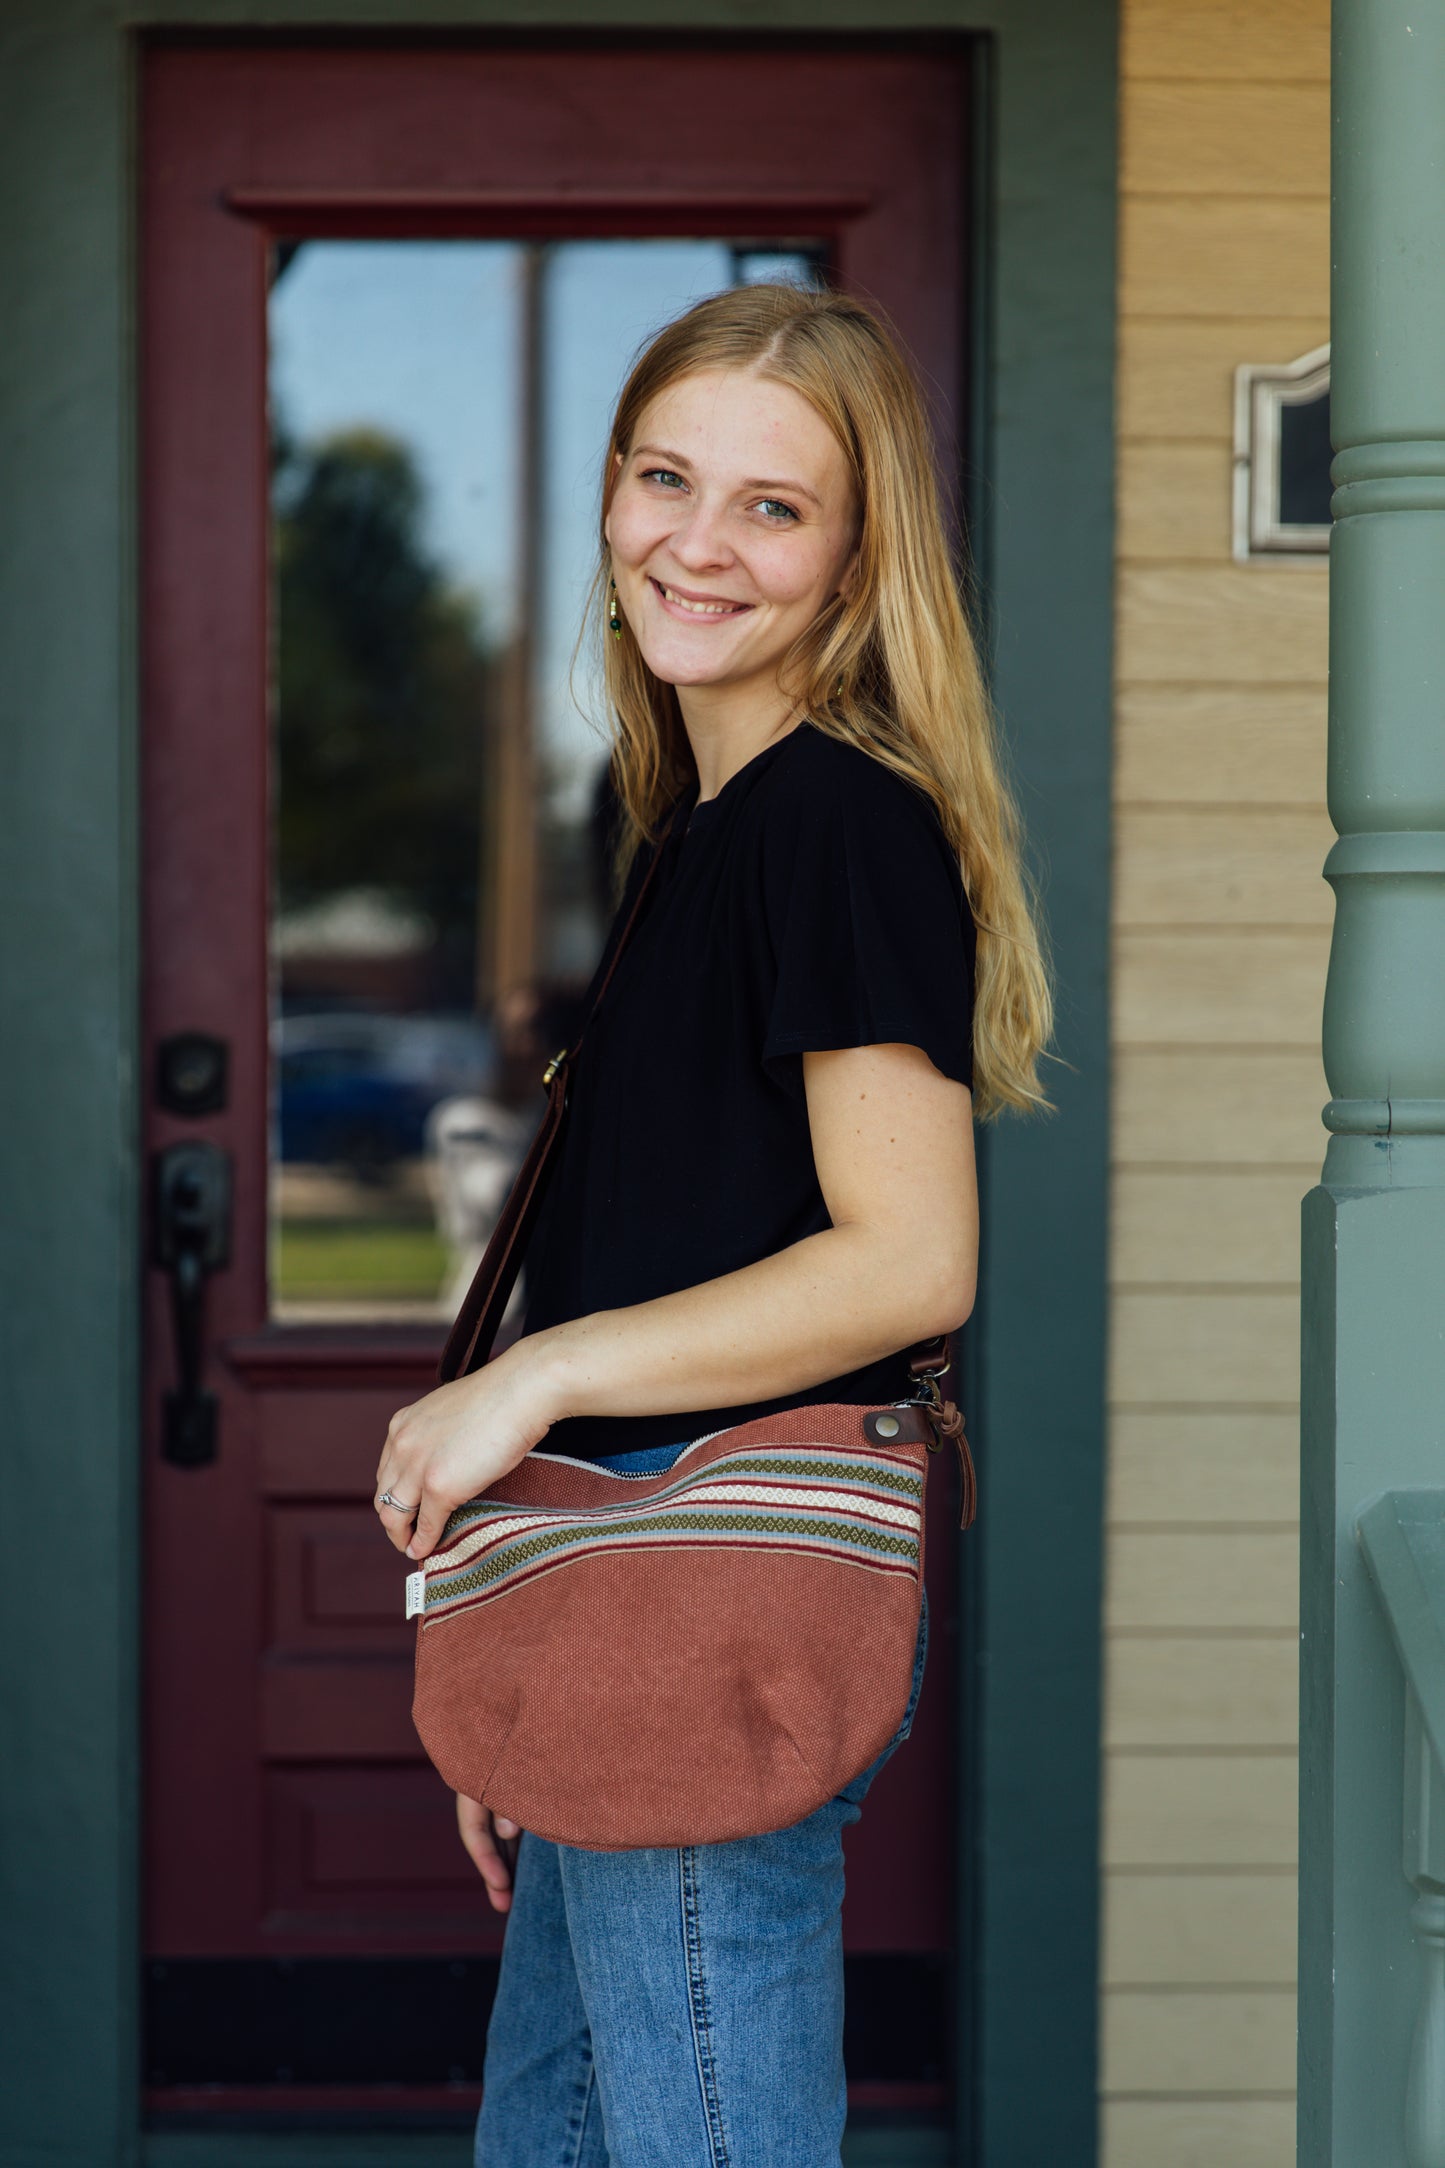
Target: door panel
289, 1812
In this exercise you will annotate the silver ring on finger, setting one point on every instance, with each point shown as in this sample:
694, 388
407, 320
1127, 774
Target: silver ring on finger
386, 1499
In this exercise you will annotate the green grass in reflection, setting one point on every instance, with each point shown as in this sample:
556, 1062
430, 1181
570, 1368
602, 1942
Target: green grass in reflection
371, 1260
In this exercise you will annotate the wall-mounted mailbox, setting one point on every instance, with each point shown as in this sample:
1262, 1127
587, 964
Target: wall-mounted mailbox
1282, 457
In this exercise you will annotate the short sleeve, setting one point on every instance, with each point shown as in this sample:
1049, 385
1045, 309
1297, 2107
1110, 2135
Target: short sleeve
870, 928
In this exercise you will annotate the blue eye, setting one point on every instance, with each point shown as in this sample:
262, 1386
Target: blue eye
664, 475
774, 507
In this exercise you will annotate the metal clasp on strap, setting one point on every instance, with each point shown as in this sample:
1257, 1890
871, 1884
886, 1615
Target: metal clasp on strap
552, 1067
928, 1365
944, 1421
928, 1396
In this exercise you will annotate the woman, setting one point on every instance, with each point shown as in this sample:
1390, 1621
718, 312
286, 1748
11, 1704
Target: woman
766, 1190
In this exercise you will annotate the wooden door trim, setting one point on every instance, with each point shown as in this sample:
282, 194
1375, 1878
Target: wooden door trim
286, 1355
509, 214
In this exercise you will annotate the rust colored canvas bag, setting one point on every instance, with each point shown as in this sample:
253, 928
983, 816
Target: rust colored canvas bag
614, 1660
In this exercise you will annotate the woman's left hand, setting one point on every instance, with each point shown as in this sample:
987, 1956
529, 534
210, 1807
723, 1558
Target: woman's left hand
455, 1441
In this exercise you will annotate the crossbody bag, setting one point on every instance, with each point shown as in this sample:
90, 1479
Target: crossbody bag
711, 1652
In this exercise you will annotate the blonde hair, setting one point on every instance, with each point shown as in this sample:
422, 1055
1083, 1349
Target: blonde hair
890, 668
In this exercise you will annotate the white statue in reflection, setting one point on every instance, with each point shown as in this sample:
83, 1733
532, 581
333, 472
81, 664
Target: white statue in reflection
473, 1148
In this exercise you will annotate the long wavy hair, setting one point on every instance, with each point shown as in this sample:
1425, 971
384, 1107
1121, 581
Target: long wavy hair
890, 667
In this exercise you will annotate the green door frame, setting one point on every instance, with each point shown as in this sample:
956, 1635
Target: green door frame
69, 1160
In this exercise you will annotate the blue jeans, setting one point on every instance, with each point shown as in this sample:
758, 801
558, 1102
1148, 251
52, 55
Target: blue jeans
676, 2009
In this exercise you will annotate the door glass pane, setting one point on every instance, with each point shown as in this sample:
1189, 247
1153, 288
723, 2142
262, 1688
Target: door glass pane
438, 412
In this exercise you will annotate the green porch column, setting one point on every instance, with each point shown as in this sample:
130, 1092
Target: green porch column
1374, 1230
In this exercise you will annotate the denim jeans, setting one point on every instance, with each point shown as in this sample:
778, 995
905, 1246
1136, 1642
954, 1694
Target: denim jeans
676, 2008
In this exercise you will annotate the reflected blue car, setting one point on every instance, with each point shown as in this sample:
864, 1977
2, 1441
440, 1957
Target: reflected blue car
356, 1091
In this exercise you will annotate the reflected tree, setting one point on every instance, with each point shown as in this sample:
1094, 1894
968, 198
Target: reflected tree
382, 691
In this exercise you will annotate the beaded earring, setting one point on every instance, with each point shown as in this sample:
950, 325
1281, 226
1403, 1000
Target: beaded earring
614, 621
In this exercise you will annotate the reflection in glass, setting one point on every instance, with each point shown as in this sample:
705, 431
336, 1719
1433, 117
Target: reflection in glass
438, 411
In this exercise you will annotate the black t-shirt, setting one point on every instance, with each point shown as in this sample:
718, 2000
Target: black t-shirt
815, 902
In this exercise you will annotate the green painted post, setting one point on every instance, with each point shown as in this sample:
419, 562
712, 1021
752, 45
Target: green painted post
1373, 1415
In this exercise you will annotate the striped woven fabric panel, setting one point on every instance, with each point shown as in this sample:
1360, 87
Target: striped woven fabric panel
860, 1510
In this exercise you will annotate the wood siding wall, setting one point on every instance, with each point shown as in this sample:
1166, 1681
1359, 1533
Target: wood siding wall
1221, 930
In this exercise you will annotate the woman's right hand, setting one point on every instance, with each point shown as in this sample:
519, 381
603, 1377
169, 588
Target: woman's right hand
491, 1844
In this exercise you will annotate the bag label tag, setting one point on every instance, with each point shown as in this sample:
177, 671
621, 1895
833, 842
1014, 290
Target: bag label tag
415, 1594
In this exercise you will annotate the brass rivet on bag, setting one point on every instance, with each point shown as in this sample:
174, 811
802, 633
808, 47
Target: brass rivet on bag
887, 1426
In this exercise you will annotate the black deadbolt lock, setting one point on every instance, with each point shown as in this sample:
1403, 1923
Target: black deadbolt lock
191, 1073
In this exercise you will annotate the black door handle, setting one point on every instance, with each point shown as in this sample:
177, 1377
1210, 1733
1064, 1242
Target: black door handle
192, 1238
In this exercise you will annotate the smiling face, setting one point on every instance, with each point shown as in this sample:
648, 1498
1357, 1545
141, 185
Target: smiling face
732, 524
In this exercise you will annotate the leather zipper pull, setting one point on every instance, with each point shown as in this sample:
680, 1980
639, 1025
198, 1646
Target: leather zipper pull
967, 1482
948, 1423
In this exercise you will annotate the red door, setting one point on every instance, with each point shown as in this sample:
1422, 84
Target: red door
387, 295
